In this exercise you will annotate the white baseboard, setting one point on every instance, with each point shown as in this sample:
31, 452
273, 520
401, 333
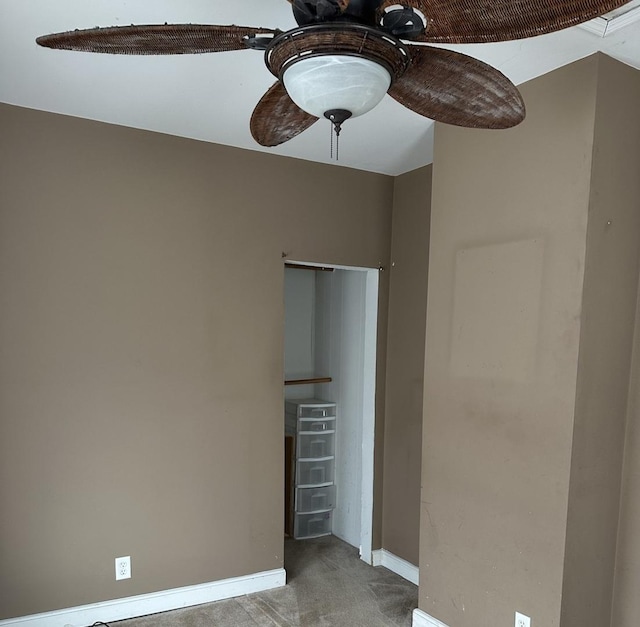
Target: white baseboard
406, 570
163, 601
376, 557
422, 619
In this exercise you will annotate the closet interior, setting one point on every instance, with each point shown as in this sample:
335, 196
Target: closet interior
324, 402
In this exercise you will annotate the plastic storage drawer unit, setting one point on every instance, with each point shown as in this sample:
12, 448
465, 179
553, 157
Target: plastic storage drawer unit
313, 423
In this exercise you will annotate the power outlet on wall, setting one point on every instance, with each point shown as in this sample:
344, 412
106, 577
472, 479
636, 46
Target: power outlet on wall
123, 568
522, 620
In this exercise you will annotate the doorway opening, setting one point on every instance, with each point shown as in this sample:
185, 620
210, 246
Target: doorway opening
331, 319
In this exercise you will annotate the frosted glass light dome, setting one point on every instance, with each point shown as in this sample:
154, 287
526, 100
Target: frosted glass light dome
329, 82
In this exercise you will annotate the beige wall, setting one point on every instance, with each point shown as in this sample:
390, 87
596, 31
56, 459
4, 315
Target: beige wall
627, 581
606, 339
624, 159
508, 230
141, 326
532, 292
405, 363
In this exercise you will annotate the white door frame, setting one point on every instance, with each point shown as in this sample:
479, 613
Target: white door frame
369, 412
368, 398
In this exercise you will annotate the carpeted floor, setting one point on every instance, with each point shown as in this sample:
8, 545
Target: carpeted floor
328, 586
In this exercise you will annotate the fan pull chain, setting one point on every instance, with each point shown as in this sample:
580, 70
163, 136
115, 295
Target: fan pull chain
331, 130
335, 132
336, 117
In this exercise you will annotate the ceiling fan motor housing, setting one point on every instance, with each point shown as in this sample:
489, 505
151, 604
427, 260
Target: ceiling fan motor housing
308, 12
403, 22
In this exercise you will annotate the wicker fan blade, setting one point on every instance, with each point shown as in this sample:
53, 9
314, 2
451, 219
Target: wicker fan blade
451, 87
277, 119
479, 21
155, 39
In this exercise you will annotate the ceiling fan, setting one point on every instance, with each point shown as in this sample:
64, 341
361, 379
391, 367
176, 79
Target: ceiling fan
345, 55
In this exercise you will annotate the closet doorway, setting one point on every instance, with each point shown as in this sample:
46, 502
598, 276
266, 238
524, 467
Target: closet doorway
331, 319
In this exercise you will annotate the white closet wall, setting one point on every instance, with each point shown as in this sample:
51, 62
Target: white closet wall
299, 325
340, 315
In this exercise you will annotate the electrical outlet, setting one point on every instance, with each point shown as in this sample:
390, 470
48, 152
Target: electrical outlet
522, 620
123, 568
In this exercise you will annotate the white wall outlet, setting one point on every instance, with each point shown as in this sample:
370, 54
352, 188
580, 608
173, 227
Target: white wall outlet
522, 620
123, 568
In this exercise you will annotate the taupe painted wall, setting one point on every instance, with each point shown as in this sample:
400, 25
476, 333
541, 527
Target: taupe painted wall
508, 231
624, 127
405, 363
141, 326
626, 607
530, 317
606, 340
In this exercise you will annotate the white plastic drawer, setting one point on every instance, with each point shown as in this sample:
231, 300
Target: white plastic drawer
312, 525
314, 445
317, 411
316, 424
314, 472
315, 499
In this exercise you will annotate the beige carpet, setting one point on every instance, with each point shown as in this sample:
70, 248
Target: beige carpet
328, 586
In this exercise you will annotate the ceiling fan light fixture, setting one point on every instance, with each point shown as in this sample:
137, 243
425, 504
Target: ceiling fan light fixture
328, 82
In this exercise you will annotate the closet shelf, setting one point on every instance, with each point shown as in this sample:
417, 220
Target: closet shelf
307, 381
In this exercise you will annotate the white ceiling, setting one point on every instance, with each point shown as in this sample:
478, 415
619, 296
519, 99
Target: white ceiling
210, 97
